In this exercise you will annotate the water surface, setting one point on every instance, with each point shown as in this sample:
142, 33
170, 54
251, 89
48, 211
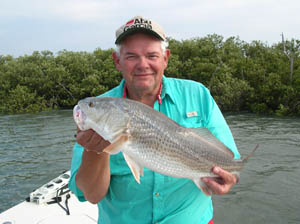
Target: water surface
269, 186
34, 149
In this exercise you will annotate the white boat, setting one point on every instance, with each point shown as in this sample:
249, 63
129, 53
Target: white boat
52, 203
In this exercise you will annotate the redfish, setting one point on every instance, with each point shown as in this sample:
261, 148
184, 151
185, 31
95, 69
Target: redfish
148, 138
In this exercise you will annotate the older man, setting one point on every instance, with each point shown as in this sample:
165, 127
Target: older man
141, 57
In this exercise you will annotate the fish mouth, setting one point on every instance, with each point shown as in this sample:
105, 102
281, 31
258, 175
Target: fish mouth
79, 117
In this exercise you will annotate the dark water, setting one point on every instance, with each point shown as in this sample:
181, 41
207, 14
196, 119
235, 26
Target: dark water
269, 189
36, 148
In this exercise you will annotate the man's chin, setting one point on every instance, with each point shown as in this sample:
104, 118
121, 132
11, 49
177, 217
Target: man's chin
145, 86
144, 82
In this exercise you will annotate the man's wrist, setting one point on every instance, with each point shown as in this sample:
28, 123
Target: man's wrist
92, 151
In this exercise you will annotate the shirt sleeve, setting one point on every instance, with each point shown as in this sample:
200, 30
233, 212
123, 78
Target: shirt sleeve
218, 126
76, 162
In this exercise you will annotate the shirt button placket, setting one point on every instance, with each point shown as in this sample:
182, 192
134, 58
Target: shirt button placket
157, 198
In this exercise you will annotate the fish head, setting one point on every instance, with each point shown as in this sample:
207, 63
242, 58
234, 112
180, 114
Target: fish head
89, 110
102, 114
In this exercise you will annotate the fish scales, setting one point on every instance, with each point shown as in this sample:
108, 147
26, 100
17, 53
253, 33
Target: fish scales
153, 140
173, 146
162, 136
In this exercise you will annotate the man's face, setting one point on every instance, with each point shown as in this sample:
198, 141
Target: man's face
142, 63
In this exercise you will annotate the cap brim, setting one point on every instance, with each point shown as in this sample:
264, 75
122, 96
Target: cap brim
137, 30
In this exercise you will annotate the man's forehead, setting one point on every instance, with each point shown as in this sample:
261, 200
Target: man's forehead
141, 49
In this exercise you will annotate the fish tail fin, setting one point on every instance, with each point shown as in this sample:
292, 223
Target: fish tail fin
251, 153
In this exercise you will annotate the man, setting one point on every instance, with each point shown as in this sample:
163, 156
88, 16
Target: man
105, 179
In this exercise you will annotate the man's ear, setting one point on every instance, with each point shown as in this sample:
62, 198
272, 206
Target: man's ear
116, 60
166, 57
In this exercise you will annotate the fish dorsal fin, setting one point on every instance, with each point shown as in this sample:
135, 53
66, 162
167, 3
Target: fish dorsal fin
206, 136
135, 168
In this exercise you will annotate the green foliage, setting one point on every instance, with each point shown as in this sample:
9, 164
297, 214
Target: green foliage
241, 76
21, 100
230, 93
260, 108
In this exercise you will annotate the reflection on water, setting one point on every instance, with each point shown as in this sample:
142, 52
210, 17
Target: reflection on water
36, 148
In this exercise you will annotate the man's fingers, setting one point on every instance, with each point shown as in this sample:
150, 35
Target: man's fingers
222, 183
219, 180
227, 177
83, 137
98, 142
91, 141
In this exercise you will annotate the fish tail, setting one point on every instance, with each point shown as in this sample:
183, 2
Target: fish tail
251, 153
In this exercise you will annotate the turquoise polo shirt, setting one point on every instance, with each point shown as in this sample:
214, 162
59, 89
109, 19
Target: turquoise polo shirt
159, 198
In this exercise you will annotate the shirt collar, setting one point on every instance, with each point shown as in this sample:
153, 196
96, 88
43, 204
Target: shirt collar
167, 89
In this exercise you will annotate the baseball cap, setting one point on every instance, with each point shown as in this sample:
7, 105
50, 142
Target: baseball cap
140, 24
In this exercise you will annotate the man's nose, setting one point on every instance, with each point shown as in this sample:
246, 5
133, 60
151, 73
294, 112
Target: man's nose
143, 63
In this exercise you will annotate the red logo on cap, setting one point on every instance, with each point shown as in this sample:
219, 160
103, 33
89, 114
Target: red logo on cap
130, 22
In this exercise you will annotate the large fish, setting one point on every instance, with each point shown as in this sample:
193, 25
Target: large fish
150, 139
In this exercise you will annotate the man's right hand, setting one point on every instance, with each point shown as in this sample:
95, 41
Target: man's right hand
93, 176
91, 141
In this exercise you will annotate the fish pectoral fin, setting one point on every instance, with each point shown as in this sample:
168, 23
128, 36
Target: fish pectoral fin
203, 187
115, 146
135, 168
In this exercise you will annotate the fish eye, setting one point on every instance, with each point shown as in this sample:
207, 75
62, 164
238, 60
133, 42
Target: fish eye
91, 104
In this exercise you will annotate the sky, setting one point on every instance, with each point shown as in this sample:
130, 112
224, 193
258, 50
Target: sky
85, 25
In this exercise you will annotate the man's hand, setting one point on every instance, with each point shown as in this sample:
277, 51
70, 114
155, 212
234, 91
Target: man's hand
91, 141
223, 183
93, 176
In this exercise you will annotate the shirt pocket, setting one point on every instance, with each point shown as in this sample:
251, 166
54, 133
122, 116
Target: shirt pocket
192, 119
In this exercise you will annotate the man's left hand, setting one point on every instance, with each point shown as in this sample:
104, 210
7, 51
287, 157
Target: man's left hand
223, 183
